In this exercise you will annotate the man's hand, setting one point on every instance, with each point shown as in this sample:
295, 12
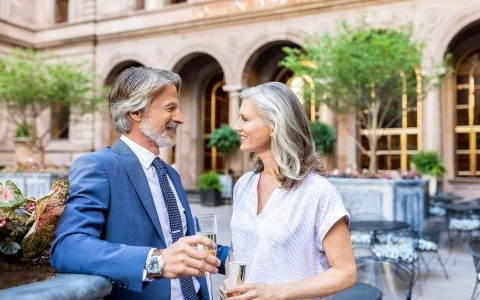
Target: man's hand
183, 258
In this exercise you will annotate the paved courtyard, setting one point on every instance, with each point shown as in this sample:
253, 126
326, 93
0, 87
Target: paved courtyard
434, 286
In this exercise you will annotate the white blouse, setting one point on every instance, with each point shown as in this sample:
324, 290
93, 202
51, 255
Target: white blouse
284, 242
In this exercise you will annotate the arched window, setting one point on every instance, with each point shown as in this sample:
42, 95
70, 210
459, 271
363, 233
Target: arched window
215, 113
305, 95
402, 136
467, 116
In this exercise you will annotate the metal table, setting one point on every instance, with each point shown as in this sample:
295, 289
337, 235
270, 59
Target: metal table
360, 291
375, 227
445, 198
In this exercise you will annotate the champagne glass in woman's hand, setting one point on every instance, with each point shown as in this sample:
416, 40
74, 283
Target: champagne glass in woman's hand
235, 273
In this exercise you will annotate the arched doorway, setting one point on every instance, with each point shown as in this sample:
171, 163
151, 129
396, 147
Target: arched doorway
263, 66
113, 135
205, 107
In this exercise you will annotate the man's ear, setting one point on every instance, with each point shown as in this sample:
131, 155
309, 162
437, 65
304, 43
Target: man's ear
136, 115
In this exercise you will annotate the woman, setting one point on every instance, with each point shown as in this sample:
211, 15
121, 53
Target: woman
289, 223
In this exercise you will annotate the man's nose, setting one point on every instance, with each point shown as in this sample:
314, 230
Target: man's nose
178, 118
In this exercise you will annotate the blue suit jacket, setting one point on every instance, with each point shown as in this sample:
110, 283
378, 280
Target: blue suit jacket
110, 223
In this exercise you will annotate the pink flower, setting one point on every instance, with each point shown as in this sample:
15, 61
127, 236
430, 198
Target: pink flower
31, 207
3, 222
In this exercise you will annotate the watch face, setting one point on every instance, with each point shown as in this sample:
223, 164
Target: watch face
154, 265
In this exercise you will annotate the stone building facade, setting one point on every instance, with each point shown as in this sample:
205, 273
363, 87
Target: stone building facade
220, 47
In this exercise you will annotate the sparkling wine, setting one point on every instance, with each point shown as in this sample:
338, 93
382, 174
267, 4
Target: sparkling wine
213, 237
236, 273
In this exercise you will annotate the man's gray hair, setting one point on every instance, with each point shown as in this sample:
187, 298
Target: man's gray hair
134, 89
292, 143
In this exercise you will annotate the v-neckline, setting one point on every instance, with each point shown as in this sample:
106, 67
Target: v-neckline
270, 198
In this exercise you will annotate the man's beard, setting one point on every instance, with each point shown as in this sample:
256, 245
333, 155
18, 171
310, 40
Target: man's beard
160, 137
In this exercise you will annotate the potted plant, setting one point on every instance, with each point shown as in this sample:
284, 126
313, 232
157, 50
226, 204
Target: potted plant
27, 228
430, 166
210, 188
324, 137
226, 141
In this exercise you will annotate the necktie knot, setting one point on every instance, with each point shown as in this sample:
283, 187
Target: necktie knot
158, 165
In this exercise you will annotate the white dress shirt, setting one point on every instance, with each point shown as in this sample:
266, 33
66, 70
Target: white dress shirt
146, 158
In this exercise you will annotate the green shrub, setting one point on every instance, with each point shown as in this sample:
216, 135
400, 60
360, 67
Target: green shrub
225, 139
22, 130
428, 163
324, 137
209, 181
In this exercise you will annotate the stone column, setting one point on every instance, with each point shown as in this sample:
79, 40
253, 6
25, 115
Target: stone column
432, 131
238, 161
325, 115
346, 152
233, 91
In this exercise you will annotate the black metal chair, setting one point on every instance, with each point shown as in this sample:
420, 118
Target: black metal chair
428, 241
394, 279
473, 247
360, 291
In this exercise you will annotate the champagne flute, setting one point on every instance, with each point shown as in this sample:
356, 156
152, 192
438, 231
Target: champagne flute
235, 272
206, 225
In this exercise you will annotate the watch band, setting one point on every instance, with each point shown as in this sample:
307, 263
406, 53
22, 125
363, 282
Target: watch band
156, 252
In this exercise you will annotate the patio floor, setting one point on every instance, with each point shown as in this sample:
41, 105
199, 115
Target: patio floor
434, 285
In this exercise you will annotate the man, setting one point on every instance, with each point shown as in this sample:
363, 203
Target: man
127, 216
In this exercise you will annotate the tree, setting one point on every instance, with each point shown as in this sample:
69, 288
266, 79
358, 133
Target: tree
226, 140
31, 84
366, 72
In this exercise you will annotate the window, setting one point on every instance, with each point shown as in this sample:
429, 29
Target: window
401, 136
61, 11
60, 121
467, 116
214, 113
305, 95
140, 4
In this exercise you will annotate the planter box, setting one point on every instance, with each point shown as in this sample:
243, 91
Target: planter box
399, 200
210, 198
35, 185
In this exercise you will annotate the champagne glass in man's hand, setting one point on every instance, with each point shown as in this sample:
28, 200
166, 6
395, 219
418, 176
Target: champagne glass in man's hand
206, 225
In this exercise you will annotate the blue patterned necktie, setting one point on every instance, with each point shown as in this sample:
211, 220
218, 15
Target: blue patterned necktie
176, 227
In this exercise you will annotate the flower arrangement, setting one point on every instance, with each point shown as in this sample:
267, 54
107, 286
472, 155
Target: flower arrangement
390, 174
27, 226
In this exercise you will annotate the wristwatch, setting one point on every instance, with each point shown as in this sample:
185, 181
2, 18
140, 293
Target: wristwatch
154, 265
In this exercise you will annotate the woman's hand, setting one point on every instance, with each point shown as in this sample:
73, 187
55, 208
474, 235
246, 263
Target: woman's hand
223, 289
254, 291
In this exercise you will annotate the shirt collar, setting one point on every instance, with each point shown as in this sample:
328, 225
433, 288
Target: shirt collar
144, 156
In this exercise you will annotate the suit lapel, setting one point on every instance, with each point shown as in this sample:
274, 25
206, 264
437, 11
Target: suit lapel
136, 174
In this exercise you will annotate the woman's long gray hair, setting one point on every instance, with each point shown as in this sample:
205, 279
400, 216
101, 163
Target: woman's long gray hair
134, 89
292, 143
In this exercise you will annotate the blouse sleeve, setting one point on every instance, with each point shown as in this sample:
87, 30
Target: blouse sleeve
329, 210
